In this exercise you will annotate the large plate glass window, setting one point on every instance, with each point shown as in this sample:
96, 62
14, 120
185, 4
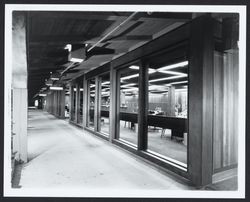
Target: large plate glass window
168, 107
73, 105
128, 104
91, 102
104, 103
80, 92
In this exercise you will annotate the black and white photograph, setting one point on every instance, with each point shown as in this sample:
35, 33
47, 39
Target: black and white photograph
124, 101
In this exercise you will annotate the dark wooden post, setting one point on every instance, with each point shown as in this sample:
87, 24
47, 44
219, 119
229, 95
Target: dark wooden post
96, 112
143, 107
77, 105
85, 102
113, 104
201, 60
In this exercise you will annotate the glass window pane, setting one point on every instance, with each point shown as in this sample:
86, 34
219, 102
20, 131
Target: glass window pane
128, 102
168, 110
80, 118
73, 105
91, 102
105, 102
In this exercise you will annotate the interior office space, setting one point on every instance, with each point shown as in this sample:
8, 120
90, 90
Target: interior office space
161, 85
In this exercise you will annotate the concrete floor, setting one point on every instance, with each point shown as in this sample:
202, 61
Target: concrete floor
64, 156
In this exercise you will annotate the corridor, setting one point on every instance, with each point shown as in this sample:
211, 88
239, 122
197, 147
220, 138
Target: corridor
61, 155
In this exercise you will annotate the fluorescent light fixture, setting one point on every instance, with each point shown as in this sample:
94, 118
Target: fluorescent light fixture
168, 78
134, 67
106, 82
180, 64
76, 60
171, 72
55, 88
129, 77
127, 85
69, 47
54, 78
151, 71
42, 95
74, 89
92, 85
81, 89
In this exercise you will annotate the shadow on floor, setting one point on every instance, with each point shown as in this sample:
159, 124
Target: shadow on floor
17, 176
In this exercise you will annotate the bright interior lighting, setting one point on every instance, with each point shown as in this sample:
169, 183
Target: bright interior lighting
151, 71
128, 85
81, 89
76, 60
134, 67
168, 78
92, 85
42, 95
74, 89
172, 72
180, 64
106, 82
129, 77
69, 47
54, 78
55, 88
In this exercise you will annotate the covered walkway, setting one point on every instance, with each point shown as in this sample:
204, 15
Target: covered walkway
61, 155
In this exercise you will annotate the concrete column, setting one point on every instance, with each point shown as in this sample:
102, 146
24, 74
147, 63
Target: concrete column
19, 86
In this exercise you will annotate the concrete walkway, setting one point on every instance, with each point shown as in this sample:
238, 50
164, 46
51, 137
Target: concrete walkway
64, 156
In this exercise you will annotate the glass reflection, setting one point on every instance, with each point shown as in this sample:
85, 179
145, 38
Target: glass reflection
168, 111
105, 102
91, 102
128, 114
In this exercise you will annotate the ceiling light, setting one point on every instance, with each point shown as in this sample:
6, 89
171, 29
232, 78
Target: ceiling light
151, 71
127, 85
55, 88
54, 78
180, 64
106, 82
76, 60
171, 72
129, 77
81, 89
179, 82
134, 67
69, 47
168, 78
42, 95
